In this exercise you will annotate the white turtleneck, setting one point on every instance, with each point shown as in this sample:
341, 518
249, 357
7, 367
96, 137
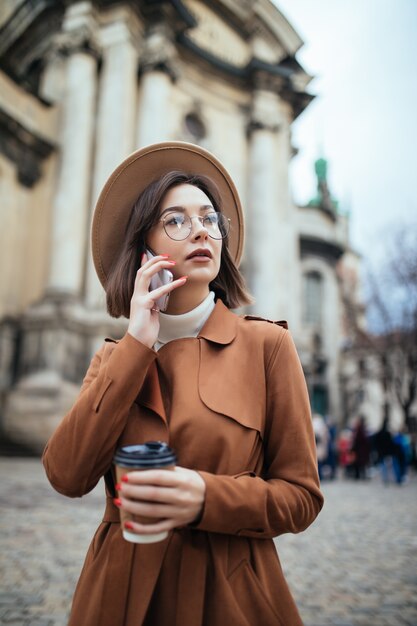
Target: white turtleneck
185, 325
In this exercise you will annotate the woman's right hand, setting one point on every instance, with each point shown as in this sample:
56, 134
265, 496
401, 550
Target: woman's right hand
144, 318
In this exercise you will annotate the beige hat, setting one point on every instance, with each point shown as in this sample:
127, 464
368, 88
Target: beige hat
134, 174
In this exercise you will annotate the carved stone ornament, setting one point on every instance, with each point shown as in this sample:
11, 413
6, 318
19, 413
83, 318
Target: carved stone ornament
266, 112
159, 53
80, 40
23, 148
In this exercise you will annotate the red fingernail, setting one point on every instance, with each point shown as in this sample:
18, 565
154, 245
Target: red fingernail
125, 478
164, 256
182, 277
172, 262
117, 501
129, 525
118, 486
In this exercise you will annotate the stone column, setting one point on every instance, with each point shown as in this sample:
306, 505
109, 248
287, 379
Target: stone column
291, 294
54, 346
71, 203
115, 119
159, 67
270, 238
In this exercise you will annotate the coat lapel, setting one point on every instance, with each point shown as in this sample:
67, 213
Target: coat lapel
150, 395
228, 383
221, 326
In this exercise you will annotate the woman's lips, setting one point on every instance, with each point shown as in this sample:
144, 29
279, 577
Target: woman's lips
199, 259
200, 252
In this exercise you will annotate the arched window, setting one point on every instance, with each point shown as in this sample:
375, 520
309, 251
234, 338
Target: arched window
313, 298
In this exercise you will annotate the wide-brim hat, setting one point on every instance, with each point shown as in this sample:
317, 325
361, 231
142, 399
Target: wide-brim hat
130, 179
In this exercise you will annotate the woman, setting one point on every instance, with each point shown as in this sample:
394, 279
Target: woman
226, 392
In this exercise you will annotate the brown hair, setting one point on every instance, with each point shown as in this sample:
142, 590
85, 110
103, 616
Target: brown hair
229, 284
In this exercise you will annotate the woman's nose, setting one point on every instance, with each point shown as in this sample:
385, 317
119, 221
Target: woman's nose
198, 230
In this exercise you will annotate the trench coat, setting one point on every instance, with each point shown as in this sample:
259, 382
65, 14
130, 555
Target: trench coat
233, 404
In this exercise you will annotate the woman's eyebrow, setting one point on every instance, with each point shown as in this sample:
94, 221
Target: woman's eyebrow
182, 209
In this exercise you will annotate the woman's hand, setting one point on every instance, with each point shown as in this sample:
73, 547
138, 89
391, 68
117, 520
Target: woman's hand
173, 498
143, 319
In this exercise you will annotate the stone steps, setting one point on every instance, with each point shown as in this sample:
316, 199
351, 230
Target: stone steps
10, 448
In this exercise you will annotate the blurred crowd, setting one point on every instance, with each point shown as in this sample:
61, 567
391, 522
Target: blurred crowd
354, 452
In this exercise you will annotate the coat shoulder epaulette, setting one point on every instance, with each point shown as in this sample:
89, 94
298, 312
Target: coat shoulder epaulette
282, 323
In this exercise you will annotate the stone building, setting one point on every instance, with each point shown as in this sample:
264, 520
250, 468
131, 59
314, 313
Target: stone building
84, 83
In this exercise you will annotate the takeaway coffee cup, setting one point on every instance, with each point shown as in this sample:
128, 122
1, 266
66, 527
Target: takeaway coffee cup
149, 455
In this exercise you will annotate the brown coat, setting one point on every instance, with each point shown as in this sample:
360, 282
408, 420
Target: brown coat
233, 404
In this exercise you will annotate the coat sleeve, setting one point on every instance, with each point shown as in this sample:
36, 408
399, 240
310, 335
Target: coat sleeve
287, 498
81, 449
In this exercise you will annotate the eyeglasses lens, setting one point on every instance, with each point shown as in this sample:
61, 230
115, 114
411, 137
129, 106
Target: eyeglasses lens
178, 226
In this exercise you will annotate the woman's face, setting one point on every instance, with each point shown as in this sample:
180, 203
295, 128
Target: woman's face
192, 202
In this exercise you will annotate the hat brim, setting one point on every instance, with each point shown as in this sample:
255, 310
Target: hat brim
130, 179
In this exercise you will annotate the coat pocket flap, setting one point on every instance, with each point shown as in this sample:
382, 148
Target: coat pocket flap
231, 388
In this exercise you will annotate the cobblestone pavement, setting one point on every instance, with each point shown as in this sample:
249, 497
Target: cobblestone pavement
356, 566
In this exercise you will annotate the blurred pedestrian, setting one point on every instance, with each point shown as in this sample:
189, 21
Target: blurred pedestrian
402, 455
344, 446
321, 434
361, 449
384, 447
413, 450
332, 453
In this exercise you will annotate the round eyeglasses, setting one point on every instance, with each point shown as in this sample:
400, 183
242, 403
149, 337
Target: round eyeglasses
178, 226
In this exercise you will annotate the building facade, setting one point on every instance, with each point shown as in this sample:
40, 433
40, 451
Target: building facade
83, 84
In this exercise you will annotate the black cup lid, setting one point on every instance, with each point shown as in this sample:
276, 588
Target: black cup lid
145, 455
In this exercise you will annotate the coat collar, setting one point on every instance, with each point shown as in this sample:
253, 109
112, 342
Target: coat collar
221, 326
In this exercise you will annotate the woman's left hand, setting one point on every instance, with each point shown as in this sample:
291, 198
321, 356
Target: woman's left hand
173, 498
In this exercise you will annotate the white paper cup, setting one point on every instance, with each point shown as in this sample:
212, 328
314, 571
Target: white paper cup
149, 455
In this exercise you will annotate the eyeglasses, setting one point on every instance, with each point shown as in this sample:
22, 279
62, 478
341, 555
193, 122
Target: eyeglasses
178, 226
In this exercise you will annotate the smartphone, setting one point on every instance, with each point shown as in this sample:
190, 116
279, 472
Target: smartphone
163, 277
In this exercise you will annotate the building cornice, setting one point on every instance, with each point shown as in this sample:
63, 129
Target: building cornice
262, 75
298, 100
24, 40
22, 18
37, 29
252, 13
316, 246
24, 148
281, 28
215, 61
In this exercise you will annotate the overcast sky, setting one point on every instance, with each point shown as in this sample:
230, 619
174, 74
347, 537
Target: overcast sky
363, 54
